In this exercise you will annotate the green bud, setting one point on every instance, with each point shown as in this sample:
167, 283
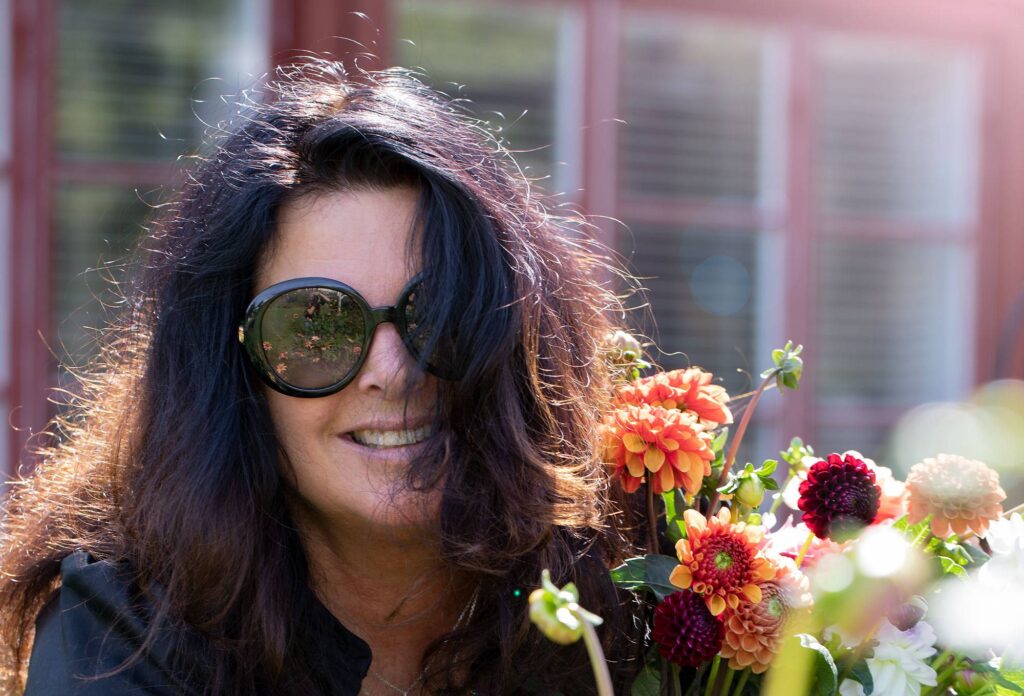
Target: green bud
750, 491
556, 612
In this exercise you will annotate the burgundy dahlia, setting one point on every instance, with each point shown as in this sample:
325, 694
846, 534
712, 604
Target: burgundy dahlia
839, 497
686, 632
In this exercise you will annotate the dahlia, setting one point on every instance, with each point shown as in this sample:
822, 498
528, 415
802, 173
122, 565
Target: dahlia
839, 496
686, 390
754, 631
721, 561
959, 493
668, 443
892, 503
702, 397
685, 631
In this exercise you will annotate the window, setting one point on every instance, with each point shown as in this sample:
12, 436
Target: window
137, 85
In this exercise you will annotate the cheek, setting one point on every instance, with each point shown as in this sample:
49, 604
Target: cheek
299, 424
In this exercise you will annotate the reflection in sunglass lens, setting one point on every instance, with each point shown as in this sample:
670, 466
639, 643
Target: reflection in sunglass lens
313, 337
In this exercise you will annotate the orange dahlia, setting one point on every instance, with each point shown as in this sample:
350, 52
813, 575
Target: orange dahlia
959, 493
754, 630
686, 390
702, 397
670, 444
721, 561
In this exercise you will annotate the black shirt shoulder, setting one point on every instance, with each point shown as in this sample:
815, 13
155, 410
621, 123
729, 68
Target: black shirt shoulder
96, 622
90, 627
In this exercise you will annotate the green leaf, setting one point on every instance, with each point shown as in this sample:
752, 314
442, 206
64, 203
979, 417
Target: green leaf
1008, 681
718, 444
768, 468
951, 567
675, 506
648, 682
826, 676
778, 354
648, 572
770, 484
861, 673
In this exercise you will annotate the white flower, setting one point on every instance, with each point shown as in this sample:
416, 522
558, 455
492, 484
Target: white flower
1006, 536
1005, 569
899, 666
850, 687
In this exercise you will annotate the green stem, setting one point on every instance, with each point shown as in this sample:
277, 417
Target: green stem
691, 690
943, 676
597, 661
803, 549
713, 677
734, 446
726, 682
744, 676
943, 656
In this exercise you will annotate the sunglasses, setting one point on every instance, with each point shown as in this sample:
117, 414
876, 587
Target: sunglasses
309, 337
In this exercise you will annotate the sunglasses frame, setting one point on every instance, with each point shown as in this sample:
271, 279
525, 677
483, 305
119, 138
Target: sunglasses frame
250, 330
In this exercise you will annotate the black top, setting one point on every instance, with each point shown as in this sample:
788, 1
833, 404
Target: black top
91, 625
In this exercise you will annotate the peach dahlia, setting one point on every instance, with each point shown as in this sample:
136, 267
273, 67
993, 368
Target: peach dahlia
960, 494
754, 630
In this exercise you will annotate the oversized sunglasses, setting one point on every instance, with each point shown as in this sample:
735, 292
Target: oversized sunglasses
309, 337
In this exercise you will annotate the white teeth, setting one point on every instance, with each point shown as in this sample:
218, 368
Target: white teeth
391, 438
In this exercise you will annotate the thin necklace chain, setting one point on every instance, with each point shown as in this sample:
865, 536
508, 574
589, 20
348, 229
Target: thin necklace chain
467, 611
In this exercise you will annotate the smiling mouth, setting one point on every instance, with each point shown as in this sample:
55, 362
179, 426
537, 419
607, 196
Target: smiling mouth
392, 438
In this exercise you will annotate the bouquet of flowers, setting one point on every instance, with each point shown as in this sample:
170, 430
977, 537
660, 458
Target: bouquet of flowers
871, 585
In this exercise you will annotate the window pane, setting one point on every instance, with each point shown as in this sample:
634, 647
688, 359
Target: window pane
895, 321
132, 73
96, 226
693, 97
898, 131
516, 67
712, 300
871, 441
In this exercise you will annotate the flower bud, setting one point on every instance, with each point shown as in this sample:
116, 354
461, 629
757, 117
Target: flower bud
556, 611
968, 681
750, 491
557, 623
905, 616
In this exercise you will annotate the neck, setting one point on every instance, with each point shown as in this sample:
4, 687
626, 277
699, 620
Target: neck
390, 588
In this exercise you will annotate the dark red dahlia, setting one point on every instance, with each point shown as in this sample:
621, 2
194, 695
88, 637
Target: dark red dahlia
839, 497
686, 632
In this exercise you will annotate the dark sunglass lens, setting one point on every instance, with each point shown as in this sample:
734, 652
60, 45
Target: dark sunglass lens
313, 337
435, 347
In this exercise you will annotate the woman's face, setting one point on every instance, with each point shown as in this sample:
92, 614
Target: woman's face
340, 448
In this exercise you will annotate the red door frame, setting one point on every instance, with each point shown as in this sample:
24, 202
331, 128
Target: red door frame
29, 285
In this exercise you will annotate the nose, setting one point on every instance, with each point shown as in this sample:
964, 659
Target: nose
389, 365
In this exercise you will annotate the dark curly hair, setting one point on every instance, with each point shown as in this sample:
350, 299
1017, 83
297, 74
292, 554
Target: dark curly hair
171, 436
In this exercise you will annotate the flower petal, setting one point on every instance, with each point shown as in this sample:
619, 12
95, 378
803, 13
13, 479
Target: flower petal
681, 577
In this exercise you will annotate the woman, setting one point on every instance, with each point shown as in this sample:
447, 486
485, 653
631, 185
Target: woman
348, 416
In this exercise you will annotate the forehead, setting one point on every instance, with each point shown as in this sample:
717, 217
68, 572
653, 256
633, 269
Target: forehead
360, 237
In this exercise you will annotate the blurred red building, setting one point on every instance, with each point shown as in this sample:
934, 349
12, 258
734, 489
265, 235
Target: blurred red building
848, 175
